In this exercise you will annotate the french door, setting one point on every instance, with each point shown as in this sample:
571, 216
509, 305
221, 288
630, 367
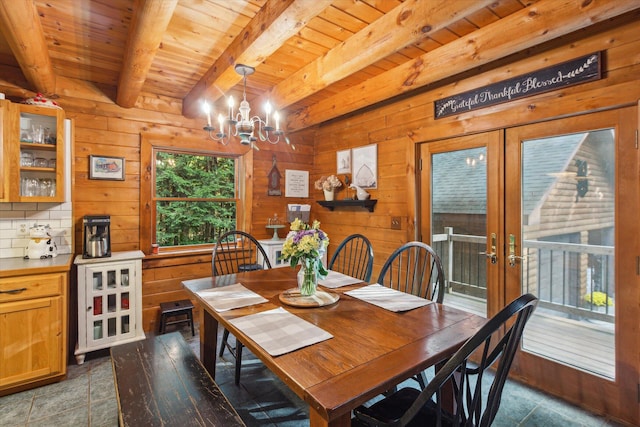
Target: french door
550, 209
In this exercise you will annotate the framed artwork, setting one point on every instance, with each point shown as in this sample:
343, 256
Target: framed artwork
296, 183
365, 166
344, 161
106, 167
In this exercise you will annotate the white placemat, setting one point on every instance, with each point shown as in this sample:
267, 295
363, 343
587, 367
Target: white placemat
387, 298
336, 279
279, 332
230, 297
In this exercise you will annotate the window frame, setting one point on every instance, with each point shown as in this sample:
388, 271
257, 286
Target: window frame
155, 199
150, 145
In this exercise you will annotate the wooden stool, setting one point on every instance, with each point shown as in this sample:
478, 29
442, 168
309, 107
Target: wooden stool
169, 310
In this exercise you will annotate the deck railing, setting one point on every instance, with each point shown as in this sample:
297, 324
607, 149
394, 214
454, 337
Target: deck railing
562, 275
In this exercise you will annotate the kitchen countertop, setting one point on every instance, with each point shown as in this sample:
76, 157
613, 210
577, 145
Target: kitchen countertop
19, 266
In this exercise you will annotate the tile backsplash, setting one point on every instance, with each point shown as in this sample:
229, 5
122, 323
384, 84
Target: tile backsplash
57, 215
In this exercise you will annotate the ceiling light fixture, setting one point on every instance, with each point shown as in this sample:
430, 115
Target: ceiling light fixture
241, 124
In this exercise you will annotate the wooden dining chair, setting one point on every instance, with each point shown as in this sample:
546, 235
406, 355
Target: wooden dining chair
476, 396
354, 257
235, 252
416, 269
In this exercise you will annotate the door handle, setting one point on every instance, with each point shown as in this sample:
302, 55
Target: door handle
512, 252
492, 255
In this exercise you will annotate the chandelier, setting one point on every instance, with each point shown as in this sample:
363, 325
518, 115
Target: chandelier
240, 123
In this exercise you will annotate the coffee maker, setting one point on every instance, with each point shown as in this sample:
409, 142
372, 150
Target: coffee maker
96, 236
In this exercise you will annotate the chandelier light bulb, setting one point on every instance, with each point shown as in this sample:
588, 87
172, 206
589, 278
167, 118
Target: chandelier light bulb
207, 112
267, 110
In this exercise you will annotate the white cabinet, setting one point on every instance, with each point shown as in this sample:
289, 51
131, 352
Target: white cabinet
273, 248
109, 301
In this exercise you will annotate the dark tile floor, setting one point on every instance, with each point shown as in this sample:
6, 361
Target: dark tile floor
87, 398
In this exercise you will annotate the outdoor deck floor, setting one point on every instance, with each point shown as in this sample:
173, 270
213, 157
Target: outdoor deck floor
588, 345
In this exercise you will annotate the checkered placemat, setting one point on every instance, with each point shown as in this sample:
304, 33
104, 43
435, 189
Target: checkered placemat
387, 298
230, 297
278, 332
336, 279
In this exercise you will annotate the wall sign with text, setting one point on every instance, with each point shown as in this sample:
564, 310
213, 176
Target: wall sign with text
576, 71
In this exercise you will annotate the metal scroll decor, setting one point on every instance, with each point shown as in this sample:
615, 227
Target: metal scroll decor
576, 71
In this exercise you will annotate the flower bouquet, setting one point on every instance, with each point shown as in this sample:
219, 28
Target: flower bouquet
328, 184
306, 245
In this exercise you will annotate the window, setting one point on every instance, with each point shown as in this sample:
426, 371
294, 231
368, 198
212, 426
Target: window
195, 197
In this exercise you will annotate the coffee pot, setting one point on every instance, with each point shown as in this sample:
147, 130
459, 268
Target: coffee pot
97, 236
97, 246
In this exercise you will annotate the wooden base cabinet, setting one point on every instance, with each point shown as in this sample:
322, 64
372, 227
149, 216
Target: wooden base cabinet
109, 301
33, 330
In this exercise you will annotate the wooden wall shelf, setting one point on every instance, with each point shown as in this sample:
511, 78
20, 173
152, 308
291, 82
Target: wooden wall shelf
367, 204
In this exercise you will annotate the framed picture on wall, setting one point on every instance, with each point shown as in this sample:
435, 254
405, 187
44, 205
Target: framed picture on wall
296, 183
343, 161
106, 167
365, 166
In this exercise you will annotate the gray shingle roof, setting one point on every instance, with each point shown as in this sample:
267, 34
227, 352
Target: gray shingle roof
459, 184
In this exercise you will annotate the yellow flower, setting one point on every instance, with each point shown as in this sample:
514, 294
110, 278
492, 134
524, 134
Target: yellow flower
599, 299
305, 243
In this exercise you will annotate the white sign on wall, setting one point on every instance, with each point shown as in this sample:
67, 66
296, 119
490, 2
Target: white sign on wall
296, 183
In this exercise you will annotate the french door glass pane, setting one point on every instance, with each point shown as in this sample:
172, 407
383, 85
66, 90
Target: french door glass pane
568, 212
458, 231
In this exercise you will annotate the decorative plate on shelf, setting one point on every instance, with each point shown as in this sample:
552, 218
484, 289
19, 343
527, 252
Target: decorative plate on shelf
41, 101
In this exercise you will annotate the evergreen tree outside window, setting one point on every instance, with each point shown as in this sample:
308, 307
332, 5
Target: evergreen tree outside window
195, 197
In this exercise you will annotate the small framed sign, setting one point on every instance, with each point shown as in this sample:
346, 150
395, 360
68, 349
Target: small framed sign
296, 183
365, 166
344, 162
104, 167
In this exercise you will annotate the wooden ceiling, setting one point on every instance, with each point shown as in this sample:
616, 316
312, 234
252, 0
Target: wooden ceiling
315, 59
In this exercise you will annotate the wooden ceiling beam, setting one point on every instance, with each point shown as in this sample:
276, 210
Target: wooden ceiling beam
272, 26
408, 23
534, 25
20, 25
148, 25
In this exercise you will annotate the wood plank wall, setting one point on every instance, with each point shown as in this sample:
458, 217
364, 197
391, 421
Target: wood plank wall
398, 127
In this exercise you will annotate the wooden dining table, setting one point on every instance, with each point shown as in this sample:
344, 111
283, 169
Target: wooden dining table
371, 351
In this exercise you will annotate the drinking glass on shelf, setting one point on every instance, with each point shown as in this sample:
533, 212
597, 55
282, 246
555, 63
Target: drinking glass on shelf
37, 134
44, 187
29, 187
26, 159
40, 162
51, 163
25, 135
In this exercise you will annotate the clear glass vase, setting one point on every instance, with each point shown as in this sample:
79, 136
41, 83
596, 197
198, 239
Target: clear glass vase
308, 277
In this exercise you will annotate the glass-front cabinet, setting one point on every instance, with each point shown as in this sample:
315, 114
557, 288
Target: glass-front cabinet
33, 153
41, 154
109, 301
